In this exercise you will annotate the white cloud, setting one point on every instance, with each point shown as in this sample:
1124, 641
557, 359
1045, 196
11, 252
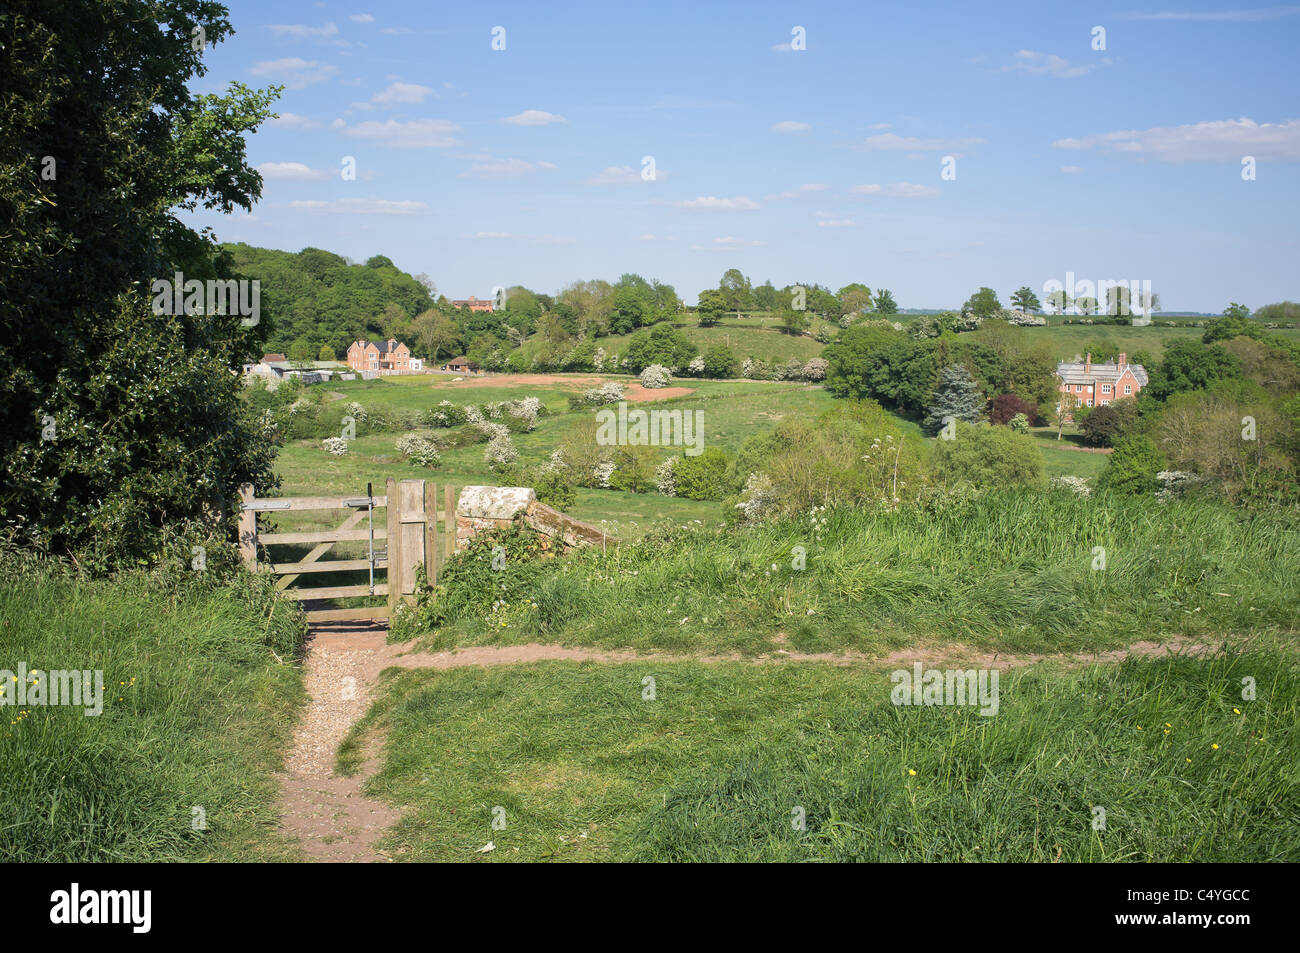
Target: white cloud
293, 71
396, 30
888, 141
337, 124
1225, 140
1071, 169
836, 223
294, 121
291, 172
650, 237
898, 190
491, 169
361, 18
416, 134
732, 240
1046, 64
533, 117
1212, 16
739, 204
624, 175
531, 239
796, 193
361, 206
300, 31
790, 125
400, 93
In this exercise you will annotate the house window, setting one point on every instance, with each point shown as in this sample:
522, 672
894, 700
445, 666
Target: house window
1128, 388
1104, 403
1089, 401
1105, 388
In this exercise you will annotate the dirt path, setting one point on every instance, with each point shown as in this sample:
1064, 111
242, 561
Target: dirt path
335, 822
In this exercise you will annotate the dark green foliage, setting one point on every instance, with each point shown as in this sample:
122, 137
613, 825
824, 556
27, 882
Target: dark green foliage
712, 306
142, 419
883, 365
720, 362
1189, 365
704, 476
1132, 468
986, 457
1106, 424
662, 344
956, 397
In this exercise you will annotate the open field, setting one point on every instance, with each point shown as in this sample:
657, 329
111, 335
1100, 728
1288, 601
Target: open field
726, 759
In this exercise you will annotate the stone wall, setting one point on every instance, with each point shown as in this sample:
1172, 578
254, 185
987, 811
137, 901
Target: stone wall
498, 507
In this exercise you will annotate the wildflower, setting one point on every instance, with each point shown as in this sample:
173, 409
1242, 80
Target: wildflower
1215, 747
1236, 711
911, 772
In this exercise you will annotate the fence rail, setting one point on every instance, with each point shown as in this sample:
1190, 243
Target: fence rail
414, 530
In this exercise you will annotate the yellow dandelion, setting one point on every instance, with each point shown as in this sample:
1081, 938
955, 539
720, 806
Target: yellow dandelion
1189, 760
911, 772
1167, 725
1236, 711
1215, 747
1166, 731
1139, 727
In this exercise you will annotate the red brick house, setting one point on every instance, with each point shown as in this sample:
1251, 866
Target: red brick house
390, 355
1096, 385
474, 304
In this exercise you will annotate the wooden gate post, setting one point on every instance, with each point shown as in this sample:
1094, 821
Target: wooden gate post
430, 506
393, 546
248, 529
410, 537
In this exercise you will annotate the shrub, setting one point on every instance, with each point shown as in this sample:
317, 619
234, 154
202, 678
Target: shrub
704, 476
984, 457
815, 369
957, 397
1132, 468
610, 392
720, 362
1076, 485
553, 488
665, 479
446, 414
336, 446
1019, 423
500, 452
421, 451
1006, 406
655, 376
1106, 424
759, 500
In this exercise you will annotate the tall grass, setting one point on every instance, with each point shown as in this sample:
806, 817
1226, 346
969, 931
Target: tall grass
200, 694
726, 757
1008, 570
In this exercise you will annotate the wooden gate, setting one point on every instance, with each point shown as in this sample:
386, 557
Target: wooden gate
411, 532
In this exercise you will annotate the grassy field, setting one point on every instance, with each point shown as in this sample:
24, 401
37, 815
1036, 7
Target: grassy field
1009, 571
577, 764
200, 696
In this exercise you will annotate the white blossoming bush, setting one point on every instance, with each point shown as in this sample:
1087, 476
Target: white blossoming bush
357, 412
299, 406
336, 446
500, 452
421, 451
598, 359
696, 367
1076, 485
602, 472
473, 415
815, 369
656, 376
1174, 483
526, 411
611, 392
665, 478
555, 465
759, 498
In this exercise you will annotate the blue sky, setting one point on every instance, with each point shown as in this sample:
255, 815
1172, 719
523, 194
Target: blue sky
485, 167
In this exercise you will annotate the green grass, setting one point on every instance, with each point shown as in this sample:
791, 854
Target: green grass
197, 712
1009, 571
717, 765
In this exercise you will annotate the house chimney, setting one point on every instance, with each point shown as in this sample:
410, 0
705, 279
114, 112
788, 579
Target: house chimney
1087, 364
1123, 359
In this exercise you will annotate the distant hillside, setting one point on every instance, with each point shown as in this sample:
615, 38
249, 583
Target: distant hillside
316, 297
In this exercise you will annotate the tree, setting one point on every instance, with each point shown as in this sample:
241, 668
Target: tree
736, 290
1132, 468
766, 296
300, 353
661, 344
437, 334
1235, 322
712, 306
1086, 305
983, 303
1026, 300
855, 298
956, 397
119, 419
1108, 423
885, 302
719, 362
1189, 365
1058, 301
1006, 406
326, 353
630, 310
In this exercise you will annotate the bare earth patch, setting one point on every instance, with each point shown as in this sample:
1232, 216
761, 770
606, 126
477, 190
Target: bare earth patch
633, 391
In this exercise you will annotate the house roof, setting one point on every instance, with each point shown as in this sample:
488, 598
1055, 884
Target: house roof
461, 360
383, 347
1072, 372
271, 358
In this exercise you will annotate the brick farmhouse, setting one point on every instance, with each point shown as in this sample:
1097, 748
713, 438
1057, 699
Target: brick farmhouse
1096, 385
390, 355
